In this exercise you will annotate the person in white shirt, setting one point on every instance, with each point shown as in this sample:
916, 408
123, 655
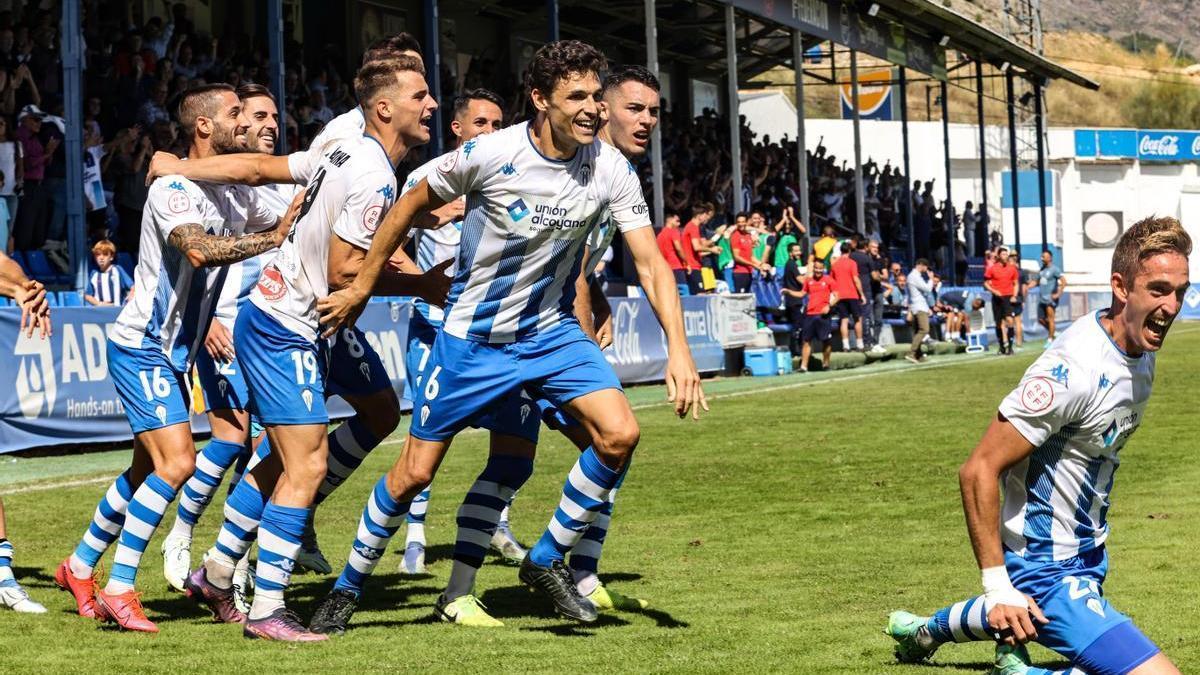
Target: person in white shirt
1053, 446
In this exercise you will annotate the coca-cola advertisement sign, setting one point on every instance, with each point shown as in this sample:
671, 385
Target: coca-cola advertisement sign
1168, 146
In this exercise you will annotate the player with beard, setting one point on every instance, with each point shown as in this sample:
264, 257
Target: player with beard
534, 192
188, 231
285, 364
221, 380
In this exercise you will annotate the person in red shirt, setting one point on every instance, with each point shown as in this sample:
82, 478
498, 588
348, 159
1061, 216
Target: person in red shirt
822, 295
850, 295
694, 246
671, 245
1001, 281
742, 244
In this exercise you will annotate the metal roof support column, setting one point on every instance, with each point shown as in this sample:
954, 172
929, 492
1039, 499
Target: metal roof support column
948, 211
981, 243
552, 34
275, 72
656, 159
859, 217
802, 153
735, 133
72, 65
1040, 123
906, 194
433, 72
1014, 168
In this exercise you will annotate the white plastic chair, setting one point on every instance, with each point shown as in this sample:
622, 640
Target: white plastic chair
977, 334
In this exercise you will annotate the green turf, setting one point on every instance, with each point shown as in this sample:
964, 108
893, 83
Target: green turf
775, 535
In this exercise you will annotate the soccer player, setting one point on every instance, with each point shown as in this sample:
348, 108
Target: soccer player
1054, 445
822, 295
509, 325
187, 230
35, 312
276, 336
221, 379
1001, 279
1050, 284
377, 411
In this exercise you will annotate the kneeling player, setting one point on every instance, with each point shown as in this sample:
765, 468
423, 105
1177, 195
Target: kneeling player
1055, 445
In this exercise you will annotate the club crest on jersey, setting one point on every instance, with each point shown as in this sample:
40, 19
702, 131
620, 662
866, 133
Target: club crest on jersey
179, 202
307, 397
365, 369
585, 174
223, 385
161, 413
517, 210
270, 284
371, 216
524, 413
1038, 394
424, 414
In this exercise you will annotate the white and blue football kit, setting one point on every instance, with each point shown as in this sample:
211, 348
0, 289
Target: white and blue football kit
1078, 404
509, 323
222, 383
110, 286
277, 333
156, 337
516, 415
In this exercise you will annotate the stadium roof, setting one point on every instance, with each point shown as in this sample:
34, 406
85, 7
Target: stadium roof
692, 32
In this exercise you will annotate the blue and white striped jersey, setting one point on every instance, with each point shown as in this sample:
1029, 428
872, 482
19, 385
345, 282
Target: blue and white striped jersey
526, 222
241, 277
351, 189
1077, 404
433, 246
109, 286
172, 302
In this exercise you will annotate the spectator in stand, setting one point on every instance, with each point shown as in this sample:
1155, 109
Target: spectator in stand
108, 284
17, 86
763, 240
320, 111
12, 166
1018, 304
793, 295
878, 292
823, 248
30, 229
695, 247
968, 221
154, 109
863, 260
788, 231
1000, 280
819, 290
918, 307
848, 284
127, 166
1050, 283
897, 297
952, 305
671, 244
741, 243
724, 258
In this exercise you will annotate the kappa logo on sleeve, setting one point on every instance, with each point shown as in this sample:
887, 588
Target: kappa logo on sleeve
1037, 395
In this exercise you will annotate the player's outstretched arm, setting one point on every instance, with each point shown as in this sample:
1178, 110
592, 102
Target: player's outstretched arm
342, 308
683, 380
209, 250
1010, 612
246, 168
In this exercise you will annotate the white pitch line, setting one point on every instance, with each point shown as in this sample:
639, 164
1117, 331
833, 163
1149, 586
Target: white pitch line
54, 486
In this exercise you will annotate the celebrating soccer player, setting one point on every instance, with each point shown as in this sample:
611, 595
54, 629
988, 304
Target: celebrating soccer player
187, 230
534, 193
1054, 446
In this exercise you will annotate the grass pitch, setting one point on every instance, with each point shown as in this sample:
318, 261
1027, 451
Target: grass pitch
775, 535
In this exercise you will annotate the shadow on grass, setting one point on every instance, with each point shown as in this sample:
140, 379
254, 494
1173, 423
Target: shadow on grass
34, 577
579, 629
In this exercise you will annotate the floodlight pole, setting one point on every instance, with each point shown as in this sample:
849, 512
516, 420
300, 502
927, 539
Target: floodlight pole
735, 129
656, 159
1041, 158
802, 152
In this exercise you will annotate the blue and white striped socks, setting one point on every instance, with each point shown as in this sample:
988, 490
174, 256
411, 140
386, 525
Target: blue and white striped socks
105, 527
278, 545
381, 518
349, 445
584, 495
243, 513
211, 464
964, 621
585, 557
145, 512
480, 513
415, 530
6, 556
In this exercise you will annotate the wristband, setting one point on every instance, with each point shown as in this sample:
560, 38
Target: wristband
998, 589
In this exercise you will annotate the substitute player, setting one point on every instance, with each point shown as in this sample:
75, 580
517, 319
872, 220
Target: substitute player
509, 325
1054, 446
188, 229
221, 380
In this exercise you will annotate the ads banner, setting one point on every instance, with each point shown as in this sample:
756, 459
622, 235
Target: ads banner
62, 394
639, 349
